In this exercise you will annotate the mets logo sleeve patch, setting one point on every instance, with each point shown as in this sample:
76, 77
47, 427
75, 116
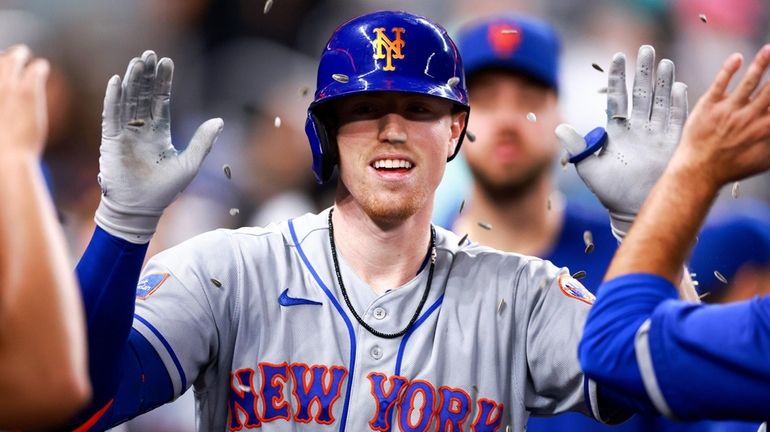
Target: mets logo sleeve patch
149, 284
571, 287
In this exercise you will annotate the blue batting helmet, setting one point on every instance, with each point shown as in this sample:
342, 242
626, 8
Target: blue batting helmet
382, 51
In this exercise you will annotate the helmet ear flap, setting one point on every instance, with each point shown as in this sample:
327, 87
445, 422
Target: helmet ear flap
322, 145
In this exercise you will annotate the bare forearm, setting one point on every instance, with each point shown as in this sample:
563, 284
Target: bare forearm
42, 338
665, 230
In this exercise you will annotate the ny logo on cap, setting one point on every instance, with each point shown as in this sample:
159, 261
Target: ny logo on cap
385, 48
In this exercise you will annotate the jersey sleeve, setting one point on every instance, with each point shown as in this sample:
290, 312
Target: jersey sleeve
708, 361
184, 305
556, 306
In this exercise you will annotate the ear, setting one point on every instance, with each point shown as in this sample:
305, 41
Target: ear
457, 127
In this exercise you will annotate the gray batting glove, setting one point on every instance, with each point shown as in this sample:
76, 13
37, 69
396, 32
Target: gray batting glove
622, 165
140, 171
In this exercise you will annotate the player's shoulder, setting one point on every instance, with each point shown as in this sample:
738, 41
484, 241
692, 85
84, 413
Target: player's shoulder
468, 255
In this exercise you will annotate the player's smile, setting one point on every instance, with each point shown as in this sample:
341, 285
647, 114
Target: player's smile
392, 167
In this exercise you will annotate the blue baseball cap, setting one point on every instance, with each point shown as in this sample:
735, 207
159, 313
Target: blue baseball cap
731, 239
519, 43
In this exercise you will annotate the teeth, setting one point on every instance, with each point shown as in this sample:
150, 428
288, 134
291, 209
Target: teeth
392, 163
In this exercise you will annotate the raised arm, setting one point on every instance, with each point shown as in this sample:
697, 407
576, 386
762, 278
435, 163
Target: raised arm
42, 336
687, 360
140, 174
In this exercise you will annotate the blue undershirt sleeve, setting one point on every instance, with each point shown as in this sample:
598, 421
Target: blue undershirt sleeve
126, 373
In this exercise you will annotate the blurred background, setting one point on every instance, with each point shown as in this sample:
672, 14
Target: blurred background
255, 68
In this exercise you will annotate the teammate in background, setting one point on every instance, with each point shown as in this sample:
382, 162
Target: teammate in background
731, 258
43, 379
677, 358
362, 316
512, 68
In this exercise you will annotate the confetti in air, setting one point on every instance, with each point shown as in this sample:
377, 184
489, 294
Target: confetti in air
588, 239
579, 274
720, 276
341, 78
531, 117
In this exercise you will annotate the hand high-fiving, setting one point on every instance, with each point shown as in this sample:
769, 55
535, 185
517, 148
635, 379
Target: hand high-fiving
140, 171
638, 146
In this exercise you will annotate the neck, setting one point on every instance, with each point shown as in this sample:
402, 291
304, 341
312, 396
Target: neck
522, 224
385, 254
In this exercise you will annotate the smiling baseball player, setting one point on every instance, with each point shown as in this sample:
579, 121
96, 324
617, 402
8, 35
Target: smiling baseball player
362, 317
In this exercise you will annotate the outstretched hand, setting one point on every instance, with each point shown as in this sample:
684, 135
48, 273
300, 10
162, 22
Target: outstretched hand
622, 170
728, 135
140, 171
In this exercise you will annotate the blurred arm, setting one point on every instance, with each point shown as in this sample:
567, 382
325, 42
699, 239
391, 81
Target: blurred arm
42, 340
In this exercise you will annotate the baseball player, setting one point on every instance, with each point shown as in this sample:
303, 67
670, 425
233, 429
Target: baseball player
41, 322
680, 359
511, 66
362, 317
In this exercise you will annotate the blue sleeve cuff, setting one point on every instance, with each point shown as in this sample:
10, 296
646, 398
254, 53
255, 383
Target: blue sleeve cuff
607, 350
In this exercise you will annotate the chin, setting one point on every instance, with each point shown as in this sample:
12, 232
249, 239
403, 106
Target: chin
393, 209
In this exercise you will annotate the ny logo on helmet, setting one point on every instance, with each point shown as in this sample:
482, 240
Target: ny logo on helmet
385, 48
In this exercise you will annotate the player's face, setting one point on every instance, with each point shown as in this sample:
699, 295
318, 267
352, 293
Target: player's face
511, 152
393, 149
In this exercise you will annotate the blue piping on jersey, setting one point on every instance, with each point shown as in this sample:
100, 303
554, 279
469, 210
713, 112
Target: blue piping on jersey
168, 348
351, 333
417, 323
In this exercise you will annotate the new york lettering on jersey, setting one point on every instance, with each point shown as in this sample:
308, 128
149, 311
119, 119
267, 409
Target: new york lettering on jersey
274, 347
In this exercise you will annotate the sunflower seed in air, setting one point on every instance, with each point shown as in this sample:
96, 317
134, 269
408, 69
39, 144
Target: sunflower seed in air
452, 82
720, 276
234, 211
602, 90
564, 161
736, 190
618, 117
501, 306
588, 239
268, 5
705, 294
277, 122
579, 274
549, 203
471, 136
341, 78
597, 67
462, 240
228, 171
531, 117
216, 283
509, 31
703, 18
485, 225
136, 122
304, 91
462, 205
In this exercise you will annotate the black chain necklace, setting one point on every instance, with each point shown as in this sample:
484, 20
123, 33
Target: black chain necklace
350, 305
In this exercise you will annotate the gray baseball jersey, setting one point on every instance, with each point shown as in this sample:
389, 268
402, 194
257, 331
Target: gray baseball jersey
255, 321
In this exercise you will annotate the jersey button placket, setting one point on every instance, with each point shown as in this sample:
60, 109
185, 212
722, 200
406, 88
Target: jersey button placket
376, 352
379, 313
